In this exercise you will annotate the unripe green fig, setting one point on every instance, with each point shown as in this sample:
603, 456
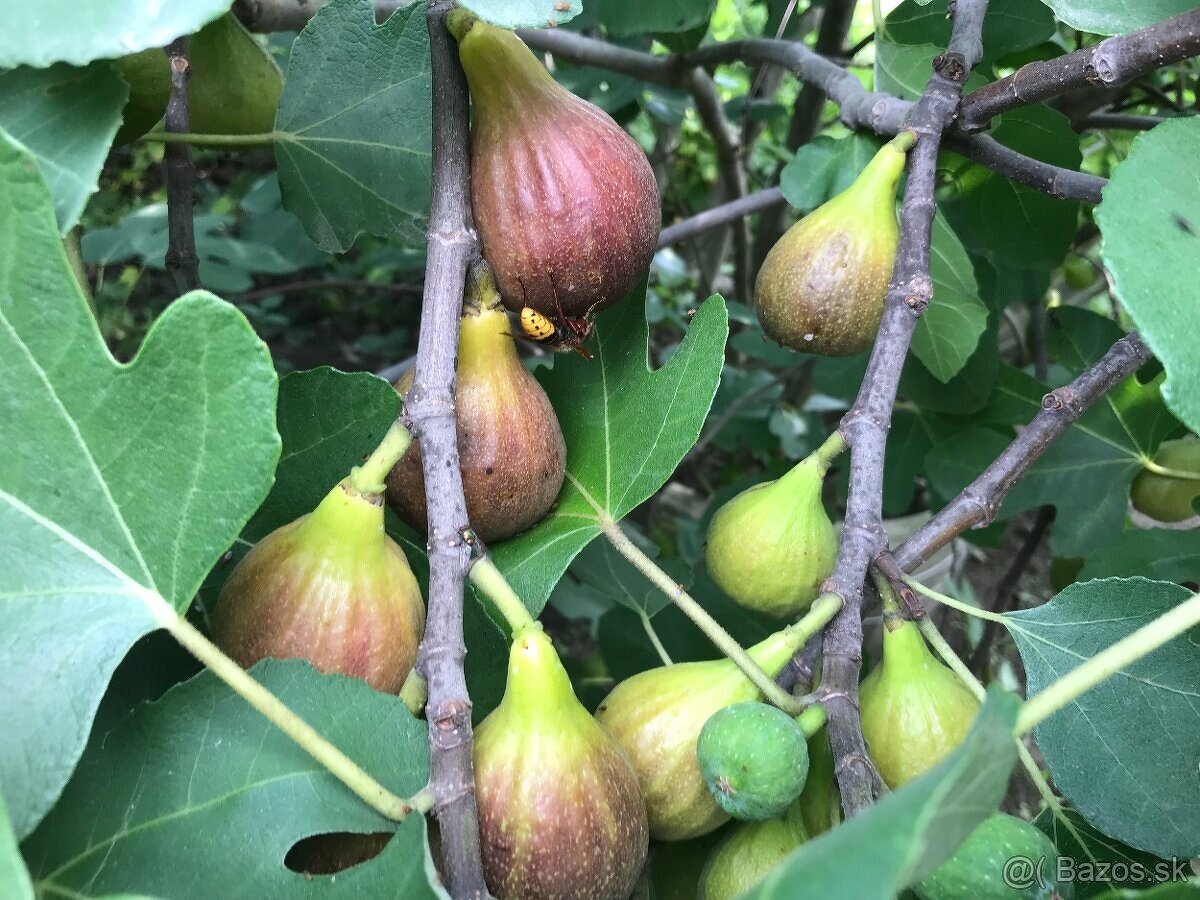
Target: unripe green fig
330, 587
656, 716
1166, 498
979, 867
566, 204
510, 446
560, 815
1078, 272
235, 84
748, 854
914, 710
148, 75
822, 286
675, 866
754, 759
771, 546
820, 802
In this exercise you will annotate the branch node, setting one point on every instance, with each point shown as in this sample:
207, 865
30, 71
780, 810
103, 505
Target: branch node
952, 65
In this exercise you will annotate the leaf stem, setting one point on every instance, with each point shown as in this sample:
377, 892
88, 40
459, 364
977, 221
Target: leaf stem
653, 635
952, 603
491, 581
812, 720
1151, 466
214, 140
369, 478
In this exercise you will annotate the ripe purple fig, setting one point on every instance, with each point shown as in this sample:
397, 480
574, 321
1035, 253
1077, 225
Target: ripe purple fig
565, 201
510, 447
330, 587
560, 815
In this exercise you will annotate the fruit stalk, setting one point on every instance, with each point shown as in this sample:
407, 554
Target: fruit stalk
487, 578
369, 477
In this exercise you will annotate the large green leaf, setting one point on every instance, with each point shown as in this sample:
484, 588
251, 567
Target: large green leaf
353, 130
120, 485
1126, 752
1150, 219
948, 333
910, 832
633, 18
1115, 16
42, 32
1153, 552
14, 877
525, 13
197, 795
67, 118
626, 428
1009, 25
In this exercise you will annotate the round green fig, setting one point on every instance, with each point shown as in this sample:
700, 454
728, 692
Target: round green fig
771, 546
1166, 498
820, 802
656, 716
748, 854
565, 201
330, 587
560, 815
822, 286
754, 759
148, 75
914, 710
979, 867
235, 84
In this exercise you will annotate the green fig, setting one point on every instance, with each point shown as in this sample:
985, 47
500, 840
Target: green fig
822, 286
754, 759
656, 716
979, 868
820, 802
1166, 498
510, 446
675, 866
235, 83
1078, 272
914, 710
565, 201
771, 546
330, 587
148, 75
560, 815
747, 854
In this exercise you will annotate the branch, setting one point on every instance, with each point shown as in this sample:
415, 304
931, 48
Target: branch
309, 284
181, 259
719, 215
1109, 64
293, 15
866, 425
430, 412
1119, 122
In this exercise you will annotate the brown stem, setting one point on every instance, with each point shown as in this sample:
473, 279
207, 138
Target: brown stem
179, 174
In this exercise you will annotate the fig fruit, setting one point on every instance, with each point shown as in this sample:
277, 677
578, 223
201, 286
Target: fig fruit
822, 286
566, 204
754, 759
235, 83
510, 447
914, 710
330, 587
771, 546
1166, 498
656, 716
820, 802
148, 75
979, 867
560, 815
747, 854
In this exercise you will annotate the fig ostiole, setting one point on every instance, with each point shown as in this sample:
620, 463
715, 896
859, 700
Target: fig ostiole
771, 546
560, 813
565, 201
822, 286
1167, 495
510, 446
914, 710
330, 587
657, 715
747, 855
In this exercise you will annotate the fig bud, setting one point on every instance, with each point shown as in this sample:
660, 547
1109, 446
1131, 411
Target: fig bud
330, 587
566, 204
822, 286
914, 710
560, 814
510, 446
1168, 498
771, 546
748, 853
656, 716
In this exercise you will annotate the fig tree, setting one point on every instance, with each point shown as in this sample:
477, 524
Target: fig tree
1168, 498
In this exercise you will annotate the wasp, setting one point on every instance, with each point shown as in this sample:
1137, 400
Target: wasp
560, 332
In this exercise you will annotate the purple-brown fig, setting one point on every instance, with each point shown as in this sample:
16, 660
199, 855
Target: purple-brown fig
330, 587
560, 814
565, 201
510, 446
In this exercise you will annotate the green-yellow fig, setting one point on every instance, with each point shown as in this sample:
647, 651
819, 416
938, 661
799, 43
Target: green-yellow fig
822, 286
330, 587
656, 716
148, 75
748, 853
560, 814
771, 546
235, 84
914, 710
1165, 497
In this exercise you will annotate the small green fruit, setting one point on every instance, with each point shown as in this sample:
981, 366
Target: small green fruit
235, 83
148, 75
822, 286
748, 854
820, 803
978, 867
330, 587
771, 546
560, 815
1078, 272
656, 716
914, 710
754, 759
1165, 498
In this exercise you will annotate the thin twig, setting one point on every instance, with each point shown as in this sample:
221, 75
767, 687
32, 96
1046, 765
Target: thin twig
1121, 122
316, 284
719, 215
293, 15
179, 174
